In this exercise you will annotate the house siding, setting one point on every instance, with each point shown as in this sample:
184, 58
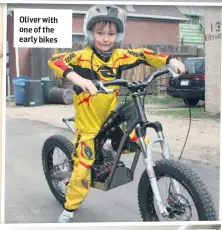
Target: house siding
142, 31
213, 47
151, 32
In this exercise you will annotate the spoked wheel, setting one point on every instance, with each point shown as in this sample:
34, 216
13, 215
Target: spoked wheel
192, 203
57, 165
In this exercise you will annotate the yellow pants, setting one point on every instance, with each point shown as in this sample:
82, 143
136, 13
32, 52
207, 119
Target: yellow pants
80, 179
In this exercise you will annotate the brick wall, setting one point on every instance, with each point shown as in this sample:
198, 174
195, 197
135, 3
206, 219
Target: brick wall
213, 31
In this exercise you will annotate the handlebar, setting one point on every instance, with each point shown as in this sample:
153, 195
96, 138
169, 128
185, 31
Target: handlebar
133, 86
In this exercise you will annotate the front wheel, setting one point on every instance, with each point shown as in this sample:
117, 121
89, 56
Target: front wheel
178, 206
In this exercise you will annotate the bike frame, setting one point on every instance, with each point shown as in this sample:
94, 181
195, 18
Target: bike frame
122, 175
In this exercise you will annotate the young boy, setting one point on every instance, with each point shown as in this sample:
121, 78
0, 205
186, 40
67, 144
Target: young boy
102, 59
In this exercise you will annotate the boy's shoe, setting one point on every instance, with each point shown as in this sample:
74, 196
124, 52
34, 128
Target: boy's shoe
65, 217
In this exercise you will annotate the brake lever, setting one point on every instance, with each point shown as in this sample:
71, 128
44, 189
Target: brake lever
104, 89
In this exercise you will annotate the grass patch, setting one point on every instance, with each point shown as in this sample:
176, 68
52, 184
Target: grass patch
10, 99
163, 100
195, 112
155, 100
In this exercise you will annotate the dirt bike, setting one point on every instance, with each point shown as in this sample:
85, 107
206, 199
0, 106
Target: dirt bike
108, 172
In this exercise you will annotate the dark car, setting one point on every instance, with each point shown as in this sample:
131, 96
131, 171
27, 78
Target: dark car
192, 83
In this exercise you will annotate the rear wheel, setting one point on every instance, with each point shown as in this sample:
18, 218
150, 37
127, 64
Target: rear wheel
180, 207
54, 164
191, 101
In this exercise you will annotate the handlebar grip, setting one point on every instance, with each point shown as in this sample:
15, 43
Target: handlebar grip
97, 84
77, 89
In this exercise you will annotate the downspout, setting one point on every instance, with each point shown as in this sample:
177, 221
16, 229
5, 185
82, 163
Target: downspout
17, 61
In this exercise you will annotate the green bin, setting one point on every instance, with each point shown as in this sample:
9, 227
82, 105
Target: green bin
47, 85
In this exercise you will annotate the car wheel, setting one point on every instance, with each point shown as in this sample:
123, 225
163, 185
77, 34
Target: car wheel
191, 101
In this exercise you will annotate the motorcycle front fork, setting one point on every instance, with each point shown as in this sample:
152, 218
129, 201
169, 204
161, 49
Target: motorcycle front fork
147, 158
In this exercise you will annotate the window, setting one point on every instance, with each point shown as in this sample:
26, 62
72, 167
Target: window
195, 66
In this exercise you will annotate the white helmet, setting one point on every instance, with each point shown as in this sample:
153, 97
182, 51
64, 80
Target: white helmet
99, 13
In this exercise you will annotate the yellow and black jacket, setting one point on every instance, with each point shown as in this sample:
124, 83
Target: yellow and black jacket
91, 111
